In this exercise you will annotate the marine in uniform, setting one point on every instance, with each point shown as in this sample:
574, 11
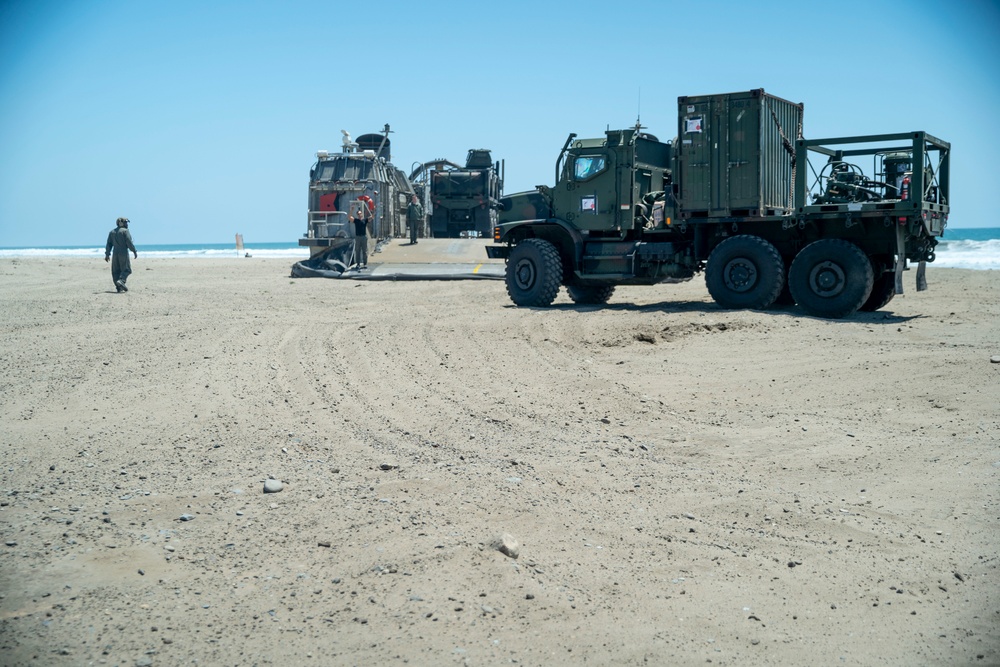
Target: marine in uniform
414, 217
116, 251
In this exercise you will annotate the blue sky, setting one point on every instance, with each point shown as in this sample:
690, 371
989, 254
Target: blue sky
198, 120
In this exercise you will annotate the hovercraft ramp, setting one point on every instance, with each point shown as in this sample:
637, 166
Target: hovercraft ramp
396, 259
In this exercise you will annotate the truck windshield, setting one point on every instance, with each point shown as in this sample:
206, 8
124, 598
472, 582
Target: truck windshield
585, 167
459, 183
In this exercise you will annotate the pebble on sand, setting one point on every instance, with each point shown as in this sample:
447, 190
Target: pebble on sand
273, 486
507, 545
995, 359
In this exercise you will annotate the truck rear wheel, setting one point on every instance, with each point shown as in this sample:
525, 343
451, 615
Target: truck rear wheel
745, 272
883, 289
831, 278
534, 273
585, 294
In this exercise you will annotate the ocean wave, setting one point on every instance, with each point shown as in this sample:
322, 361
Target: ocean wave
195, 253
266, 253
51, 252
964, 254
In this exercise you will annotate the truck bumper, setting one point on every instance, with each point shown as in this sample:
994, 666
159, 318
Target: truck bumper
498, 251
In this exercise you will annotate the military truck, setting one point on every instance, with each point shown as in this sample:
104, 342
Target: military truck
464, 202
420, 179
739, 195
362, 174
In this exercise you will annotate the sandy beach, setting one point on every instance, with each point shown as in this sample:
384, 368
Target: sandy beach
677, 484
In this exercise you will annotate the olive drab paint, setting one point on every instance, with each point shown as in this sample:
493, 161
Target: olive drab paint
735, 153
600, 180
740, 195
465, 201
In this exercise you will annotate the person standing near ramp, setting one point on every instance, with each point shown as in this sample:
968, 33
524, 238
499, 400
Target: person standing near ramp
414, 218
360, 220
116, 251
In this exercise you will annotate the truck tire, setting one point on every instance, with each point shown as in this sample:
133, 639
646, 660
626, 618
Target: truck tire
534, 273
883, 289
590, 294
831, 278
745, 272
785, 298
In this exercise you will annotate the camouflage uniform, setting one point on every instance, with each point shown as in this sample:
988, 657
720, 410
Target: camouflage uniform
414, 218
120, 241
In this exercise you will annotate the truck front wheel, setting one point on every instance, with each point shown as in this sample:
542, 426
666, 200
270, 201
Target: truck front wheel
745, 272
534, 273
831, 278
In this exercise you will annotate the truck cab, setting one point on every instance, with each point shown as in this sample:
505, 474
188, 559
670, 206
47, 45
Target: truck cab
598, 183
600, 180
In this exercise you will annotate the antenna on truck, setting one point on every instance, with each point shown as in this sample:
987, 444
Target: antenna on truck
638, 114
638, 110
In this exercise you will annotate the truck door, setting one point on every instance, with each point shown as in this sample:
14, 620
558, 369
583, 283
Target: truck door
697, 130
589, 191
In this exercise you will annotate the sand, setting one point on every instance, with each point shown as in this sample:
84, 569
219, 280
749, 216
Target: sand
684, 485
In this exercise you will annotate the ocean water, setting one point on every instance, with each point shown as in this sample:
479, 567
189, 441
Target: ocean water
958, 248
179, 250
969, 248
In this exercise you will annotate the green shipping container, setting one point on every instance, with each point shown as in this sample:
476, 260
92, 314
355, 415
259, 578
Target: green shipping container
736, 154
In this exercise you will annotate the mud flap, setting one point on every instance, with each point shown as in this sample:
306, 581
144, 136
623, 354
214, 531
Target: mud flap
922, 277
900, 257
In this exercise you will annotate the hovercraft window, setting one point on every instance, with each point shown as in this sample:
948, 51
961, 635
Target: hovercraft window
327, 171
585, 167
